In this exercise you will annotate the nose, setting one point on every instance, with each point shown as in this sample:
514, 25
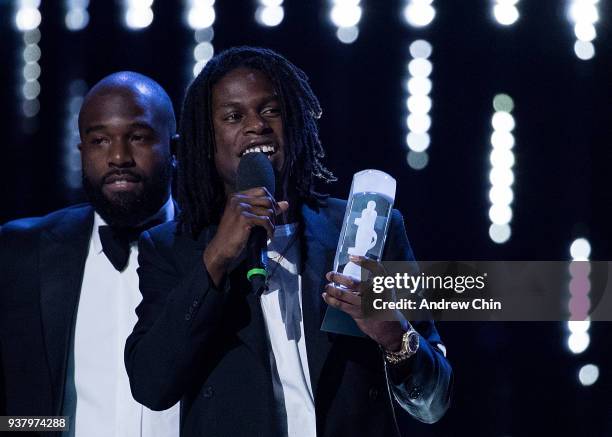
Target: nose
257, 124
120, 154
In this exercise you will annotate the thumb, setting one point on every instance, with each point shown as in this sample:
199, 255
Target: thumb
283, 206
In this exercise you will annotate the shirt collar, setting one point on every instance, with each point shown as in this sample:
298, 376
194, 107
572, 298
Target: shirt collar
165, 214
285, 230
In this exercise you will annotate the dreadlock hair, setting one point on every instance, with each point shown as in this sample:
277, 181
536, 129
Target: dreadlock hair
200, 190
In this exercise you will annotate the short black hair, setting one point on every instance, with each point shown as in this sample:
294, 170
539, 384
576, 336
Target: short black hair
200, 190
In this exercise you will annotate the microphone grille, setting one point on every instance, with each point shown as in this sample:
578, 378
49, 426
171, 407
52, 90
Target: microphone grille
255, 170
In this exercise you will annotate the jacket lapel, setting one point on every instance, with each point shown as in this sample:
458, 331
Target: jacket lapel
251, 326
253, 333
63, 251
320, 239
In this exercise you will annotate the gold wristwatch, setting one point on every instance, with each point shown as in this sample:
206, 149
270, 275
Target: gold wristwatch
410, 345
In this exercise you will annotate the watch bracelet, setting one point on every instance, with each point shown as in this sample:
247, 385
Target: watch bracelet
395, 358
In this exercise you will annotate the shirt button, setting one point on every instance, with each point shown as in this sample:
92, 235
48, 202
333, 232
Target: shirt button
187, 316
208, 392
414, 393
373, 393
195, 303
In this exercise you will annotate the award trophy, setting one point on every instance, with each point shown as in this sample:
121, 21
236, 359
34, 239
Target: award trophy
364, 230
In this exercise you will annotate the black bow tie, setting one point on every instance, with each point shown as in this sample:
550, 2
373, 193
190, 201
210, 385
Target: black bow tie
116, 242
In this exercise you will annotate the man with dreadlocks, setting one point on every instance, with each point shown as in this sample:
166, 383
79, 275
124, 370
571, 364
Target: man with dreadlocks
244, 365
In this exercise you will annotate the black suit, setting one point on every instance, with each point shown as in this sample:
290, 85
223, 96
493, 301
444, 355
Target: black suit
42, 262
208, 347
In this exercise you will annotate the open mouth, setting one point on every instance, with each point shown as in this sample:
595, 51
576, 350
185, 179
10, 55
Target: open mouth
268, 149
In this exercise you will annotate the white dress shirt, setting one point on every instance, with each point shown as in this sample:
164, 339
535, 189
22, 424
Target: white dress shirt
103, 405
282, 310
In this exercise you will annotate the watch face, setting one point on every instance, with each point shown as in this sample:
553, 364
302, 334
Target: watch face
413, 342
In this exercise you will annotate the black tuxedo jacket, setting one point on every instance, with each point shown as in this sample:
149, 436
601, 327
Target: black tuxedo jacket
42, 262
207, 347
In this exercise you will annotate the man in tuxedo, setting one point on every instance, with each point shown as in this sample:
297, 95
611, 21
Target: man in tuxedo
249, 365
69, 287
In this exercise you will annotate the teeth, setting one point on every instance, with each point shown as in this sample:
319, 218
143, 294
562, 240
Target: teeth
264, 149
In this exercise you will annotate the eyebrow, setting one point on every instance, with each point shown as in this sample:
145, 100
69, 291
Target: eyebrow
142, 125
264, 101
137, 125
95, 128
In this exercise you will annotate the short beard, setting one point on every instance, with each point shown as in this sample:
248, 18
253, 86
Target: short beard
127, 209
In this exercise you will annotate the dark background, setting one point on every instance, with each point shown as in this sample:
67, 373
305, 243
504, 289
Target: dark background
511, 379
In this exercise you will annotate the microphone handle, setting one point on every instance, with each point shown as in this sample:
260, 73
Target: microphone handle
256, 259
258, 285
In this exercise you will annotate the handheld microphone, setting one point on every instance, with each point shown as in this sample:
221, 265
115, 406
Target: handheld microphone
255, 170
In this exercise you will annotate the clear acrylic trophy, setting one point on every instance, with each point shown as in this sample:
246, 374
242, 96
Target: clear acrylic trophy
366, 220
364, 230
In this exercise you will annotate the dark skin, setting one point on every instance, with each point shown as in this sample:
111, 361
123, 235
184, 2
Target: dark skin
124, 137
387, 333
246, 111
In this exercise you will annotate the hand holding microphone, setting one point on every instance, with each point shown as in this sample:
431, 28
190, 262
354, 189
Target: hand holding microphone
248, 217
